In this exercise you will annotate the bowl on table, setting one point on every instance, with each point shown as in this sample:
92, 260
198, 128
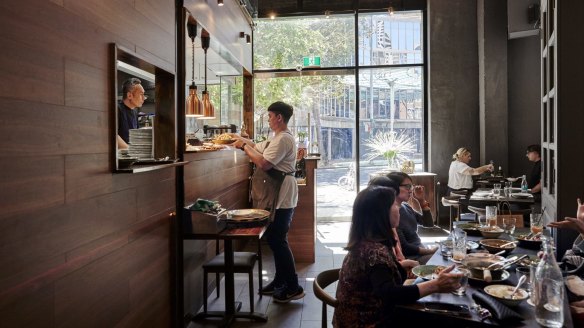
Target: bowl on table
427, 272
491, 231
495, 245
471, 229
529, 242
502, 293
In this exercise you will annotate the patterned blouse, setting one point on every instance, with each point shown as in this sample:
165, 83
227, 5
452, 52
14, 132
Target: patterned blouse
365, 300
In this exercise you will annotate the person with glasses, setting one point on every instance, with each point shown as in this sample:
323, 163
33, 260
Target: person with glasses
534, 177
414, 212
460, 174
132, 99
371, 280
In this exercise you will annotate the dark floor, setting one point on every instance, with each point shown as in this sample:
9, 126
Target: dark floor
303, 313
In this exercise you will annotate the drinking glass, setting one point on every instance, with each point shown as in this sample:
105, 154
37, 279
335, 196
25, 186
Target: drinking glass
460, 291
532, 291
509, 225
491, 213
446, 248
536, 222
497, 190
524, 271
459, 245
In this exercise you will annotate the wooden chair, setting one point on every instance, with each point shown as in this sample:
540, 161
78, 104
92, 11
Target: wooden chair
243, 262
322, 281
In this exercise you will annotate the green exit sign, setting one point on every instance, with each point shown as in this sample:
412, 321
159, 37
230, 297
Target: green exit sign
311, 61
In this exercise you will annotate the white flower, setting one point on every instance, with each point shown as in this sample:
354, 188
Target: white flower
390, 146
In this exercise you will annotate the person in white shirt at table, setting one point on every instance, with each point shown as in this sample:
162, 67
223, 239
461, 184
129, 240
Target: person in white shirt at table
460, 174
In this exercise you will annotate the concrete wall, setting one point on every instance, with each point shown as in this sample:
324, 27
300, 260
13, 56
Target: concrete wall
453, 93
524, 101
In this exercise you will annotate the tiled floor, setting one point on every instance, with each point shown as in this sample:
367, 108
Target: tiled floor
303, 313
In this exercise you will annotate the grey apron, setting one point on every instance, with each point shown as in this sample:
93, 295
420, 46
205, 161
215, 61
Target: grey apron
265, 188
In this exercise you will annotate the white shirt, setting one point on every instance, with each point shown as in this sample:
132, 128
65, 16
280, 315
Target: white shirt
459, 175
281, 153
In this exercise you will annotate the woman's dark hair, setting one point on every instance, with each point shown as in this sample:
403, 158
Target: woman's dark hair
371, 217
398, 177
384, 181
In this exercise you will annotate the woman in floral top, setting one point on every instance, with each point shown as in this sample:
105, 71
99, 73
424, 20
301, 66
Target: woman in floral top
371, 279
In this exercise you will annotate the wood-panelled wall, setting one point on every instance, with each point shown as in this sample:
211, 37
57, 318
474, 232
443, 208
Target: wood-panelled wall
222, 176
79, 246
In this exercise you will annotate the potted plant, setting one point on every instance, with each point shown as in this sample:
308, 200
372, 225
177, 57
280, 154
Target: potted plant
301, 139
391, 146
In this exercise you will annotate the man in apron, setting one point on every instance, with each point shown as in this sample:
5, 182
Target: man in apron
274, 188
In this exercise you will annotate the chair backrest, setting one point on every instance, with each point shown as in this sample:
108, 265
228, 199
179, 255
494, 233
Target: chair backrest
477, 210
458, 194
323, 280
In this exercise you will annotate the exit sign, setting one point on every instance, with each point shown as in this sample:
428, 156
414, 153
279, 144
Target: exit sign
311, 61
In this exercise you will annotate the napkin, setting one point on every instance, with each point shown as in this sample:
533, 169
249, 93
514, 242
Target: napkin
499, 311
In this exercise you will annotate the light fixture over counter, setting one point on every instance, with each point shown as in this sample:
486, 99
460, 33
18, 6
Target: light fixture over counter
194, 103
208, 108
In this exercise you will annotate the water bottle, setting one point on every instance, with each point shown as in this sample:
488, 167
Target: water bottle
549, 289
523, 184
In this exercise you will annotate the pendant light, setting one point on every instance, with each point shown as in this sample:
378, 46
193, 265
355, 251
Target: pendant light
208, 108
194, 103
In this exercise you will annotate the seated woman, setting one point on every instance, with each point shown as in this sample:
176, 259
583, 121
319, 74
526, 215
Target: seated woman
414, 211
460, 174
371, 279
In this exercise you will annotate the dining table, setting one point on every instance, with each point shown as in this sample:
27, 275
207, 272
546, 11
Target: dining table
484, 197
416, 314
198, 226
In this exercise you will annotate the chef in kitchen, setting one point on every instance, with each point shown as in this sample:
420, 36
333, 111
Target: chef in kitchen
132, 100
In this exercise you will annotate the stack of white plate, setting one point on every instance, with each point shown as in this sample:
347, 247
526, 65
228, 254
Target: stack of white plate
141, 143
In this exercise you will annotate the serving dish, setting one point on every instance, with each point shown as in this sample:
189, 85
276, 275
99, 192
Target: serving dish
502, 293
491, 232
504, 276
529, 243
530, 260
247, 214
427, 272
494, 245
471, 229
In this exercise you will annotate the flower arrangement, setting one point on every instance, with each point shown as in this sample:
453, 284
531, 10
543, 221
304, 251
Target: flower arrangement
391, 146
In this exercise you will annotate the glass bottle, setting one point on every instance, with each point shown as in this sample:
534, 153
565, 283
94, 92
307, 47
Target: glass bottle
549, 288
523, 184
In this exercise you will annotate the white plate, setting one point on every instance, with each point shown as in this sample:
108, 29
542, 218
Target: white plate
521, 195
482, 193
247, 214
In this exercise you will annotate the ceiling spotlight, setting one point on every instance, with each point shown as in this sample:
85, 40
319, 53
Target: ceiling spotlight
220, 3
327, 13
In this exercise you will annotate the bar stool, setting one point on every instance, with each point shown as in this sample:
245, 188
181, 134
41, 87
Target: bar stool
243, 262
478, 211
452, 202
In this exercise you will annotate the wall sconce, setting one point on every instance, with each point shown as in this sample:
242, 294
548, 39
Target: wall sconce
220, 3
327, 13
390, 10
247, 37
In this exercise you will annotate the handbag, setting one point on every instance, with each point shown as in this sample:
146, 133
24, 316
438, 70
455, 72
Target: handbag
518, 217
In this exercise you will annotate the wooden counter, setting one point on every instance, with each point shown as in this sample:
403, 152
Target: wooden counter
302, 234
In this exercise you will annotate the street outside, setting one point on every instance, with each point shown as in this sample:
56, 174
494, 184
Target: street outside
335, 203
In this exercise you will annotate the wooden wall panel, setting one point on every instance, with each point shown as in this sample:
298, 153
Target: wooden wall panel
80, 246
83, 87
41, 129
27, 184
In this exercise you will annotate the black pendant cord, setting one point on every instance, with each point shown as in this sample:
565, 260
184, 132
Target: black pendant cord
205, 70
193, 45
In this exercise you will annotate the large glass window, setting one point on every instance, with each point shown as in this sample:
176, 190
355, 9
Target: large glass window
380, 95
